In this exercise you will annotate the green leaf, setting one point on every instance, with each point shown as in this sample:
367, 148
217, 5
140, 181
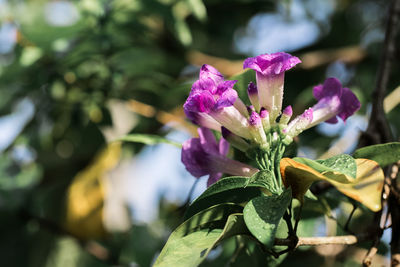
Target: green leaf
264, 178
148, 139
243, 80
227, 190
191, 242
262, 215
366, 188
341, 163
337, 166
383, 154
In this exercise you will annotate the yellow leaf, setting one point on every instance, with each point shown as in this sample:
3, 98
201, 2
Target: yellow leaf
366, 188
85, 198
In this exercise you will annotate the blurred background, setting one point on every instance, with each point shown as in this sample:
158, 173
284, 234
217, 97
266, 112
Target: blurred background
77, 75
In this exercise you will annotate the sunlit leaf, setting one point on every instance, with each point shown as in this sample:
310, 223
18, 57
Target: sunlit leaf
384, 154
230, 189
368, 185
262, 215
340, 164
366, 188
191, 242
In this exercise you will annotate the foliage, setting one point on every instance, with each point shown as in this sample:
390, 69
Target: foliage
61, 80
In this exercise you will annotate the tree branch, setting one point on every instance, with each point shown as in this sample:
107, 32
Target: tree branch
378, 130
327, 240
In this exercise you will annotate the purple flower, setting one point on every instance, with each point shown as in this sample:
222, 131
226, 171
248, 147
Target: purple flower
210, 92
270, 70
204, 156
213, 96
333, 101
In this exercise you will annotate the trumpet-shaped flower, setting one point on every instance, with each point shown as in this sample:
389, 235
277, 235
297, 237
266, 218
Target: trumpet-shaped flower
333, 101
270, 70
213, 96
204, 156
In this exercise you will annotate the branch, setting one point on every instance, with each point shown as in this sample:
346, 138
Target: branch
378, 130
327, 240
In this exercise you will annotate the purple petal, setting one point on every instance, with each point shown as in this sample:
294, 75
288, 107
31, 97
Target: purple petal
255, 119
264, 113
207, 140
206, 84
226, 99
214, 177
331, 87
190, 115
349, 104
200, 101
223, 147
208, 71
332, 120
317, 91
194, 158
288, 111
252, 89
271, 64
224, 86
251, 63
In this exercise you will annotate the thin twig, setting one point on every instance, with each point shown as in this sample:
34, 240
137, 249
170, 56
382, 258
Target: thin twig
367, 261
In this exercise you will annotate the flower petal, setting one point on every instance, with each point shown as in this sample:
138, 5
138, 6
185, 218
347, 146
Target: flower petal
207, 141
208, 71
332, 87
199, 101
223, 147
350, 104
194, 157
214, 177
271, 64
224, 86
226, 99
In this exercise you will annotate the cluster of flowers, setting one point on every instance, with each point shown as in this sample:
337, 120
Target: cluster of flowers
261, 127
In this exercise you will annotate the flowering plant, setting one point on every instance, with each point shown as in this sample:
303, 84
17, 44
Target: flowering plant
258, 201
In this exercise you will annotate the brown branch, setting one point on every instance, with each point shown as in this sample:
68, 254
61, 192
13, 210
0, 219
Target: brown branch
378, 130
367, 261
327, 240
